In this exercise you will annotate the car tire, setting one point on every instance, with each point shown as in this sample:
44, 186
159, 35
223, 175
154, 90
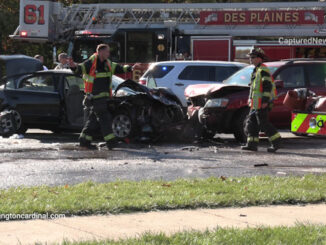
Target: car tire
122, 125
7, 124
20, 126
239, 123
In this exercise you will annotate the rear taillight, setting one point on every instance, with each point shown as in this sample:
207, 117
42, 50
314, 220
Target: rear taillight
142, 81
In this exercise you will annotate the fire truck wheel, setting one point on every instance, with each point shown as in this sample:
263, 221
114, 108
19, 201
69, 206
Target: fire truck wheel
238, 125
122, 125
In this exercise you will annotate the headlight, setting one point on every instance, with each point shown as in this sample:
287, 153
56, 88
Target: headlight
216, 103
122, 93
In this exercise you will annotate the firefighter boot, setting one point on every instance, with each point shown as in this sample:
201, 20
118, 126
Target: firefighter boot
86, 144
275, 145
250, 146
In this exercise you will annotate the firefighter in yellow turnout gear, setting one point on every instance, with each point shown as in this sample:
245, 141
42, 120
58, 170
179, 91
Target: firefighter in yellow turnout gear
262, 94
97, 74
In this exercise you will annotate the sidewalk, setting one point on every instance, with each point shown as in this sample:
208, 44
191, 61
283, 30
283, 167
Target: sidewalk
131, 225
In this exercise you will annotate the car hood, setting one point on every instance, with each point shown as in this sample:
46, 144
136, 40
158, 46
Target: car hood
226, 89
163, 95
200, 89
213, 90
15, 65
130, 84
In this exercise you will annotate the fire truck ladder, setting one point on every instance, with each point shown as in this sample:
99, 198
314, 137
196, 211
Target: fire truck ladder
107, 18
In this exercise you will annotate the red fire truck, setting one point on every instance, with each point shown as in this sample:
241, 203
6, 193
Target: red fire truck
155, 32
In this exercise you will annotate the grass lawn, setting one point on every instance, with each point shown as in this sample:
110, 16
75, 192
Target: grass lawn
127, 196
300, 234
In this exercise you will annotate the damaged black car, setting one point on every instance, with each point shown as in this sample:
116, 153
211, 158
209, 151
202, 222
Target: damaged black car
146, 113
52, 100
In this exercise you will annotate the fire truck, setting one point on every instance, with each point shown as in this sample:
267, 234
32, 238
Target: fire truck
155, 32
304, 123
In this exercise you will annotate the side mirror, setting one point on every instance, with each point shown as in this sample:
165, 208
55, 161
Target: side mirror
279, 84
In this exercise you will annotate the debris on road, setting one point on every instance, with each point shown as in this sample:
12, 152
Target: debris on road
261, 165
190, 148
16, 136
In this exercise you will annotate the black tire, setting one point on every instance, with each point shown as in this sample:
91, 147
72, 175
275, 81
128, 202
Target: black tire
7, 124
20, 126
122, 125
239, 122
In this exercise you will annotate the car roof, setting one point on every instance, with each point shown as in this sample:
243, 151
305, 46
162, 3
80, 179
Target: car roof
275, 63
199, 62
65, 71
294, 61
14, 57
16, 65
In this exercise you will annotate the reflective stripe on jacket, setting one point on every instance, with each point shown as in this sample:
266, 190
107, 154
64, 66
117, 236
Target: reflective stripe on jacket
90, 77
262, 89
97, 75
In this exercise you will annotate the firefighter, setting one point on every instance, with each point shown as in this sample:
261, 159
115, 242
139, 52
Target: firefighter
261, 96
97, 74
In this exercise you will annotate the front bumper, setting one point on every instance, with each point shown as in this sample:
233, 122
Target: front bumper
217, 120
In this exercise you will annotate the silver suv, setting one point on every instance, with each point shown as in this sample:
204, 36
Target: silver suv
177, 75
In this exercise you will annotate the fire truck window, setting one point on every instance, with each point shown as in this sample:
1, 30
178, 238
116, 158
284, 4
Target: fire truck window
317, 75
140, 47
83, 49
292, 77
200, 73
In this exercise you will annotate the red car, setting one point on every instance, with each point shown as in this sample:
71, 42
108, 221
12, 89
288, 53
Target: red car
222, 108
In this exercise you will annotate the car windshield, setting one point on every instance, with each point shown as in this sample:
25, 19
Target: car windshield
243, 76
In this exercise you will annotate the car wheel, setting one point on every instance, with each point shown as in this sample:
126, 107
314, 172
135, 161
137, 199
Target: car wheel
239, 123
7, 124
122, 125
20, 127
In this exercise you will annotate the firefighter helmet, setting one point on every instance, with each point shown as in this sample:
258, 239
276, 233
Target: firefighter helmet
257, 52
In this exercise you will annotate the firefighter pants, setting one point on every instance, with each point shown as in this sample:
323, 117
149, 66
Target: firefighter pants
99, 118
258, 121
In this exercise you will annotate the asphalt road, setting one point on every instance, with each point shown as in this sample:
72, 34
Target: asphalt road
41, 158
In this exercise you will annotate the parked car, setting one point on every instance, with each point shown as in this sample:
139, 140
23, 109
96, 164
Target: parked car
222, 108
177, 75
52, 100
